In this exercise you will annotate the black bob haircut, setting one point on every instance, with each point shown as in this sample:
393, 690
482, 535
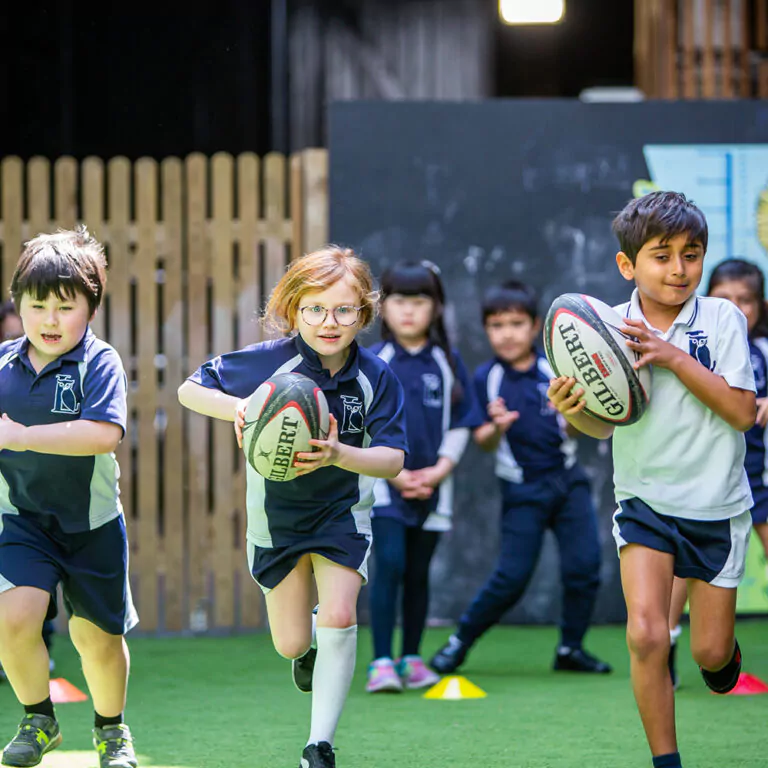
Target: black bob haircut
422, 278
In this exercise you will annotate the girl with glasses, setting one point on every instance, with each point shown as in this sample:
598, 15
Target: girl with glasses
318, 525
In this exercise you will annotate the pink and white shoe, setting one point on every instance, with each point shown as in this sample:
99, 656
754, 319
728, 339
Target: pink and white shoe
382, 677
415, 673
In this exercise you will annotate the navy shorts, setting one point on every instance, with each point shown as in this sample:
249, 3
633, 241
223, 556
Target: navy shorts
709, 550
92, 567
760, 509
269, 566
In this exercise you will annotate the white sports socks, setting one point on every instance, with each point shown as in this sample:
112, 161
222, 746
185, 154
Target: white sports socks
336, 653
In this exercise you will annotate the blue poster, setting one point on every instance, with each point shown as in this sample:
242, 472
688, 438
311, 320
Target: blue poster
729, 182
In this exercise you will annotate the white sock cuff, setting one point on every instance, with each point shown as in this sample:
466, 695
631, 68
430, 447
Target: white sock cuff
328, 633
675, 633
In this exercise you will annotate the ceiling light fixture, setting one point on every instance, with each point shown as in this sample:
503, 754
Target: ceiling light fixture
531, 11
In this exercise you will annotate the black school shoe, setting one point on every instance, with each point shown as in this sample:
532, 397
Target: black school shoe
303, 669
725, 679
450, 657
578, 660
318, 756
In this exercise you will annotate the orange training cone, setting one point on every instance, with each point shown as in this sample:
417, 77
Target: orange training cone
455, 687
63, 692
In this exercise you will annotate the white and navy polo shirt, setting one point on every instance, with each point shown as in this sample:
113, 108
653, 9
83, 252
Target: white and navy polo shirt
88, 382
367, 400
756, 462
436, 426
536, 444
682, 459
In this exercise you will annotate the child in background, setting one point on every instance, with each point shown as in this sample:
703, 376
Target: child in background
683, 507
412, 509
10, 322
742, 283
542, 487
319, 523
61, 521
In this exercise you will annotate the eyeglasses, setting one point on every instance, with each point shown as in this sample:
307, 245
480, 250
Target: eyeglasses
315, 315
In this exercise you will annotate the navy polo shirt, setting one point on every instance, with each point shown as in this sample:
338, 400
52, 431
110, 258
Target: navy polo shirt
367, 401
756, 460
88, 382
427, 380
536, 443
430, 411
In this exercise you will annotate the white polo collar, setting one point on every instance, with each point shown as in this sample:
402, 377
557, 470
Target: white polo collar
686, 316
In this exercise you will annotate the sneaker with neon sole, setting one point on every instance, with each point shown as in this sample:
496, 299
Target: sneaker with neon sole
415, 673
114, 745
37, 735
383, 677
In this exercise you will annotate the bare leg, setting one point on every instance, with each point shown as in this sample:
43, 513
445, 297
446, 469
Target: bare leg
105, 662
713, 620
338, 588
22, 650
646, 577
289, 608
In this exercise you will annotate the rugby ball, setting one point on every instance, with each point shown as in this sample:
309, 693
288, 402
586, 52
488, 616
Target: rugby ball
283, 415
582, 339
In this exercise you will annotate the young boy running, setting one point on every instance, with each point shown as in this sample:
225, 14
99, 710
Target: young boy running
682, 492
542, 487
63, 398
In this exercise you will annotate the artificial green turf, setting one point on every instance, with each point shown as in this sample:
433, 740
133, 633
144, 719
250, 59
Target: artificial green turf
229, 703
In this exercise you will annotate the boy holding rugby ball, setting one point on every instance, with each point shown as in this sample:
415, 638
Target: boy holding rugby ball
683, 507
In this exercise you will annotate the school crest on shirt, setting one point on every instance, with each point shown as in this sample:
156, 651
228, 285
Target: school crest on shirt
432, 390
352, 421
65, 399
698, 349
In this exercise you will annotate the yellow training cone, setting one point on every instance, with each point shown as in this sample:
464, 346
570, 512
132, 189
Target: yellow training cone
455, 687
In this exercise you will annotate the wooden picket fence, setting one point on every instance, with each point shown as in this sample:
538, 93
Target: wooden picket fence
702, 49
194, 245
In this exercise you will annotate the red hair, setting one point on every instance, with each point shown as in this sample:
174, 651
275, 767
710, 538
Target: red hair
318, 271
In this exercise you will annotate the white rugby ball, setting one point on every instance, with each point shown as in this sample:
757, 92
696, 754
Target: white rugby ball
583, 340
283, 415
